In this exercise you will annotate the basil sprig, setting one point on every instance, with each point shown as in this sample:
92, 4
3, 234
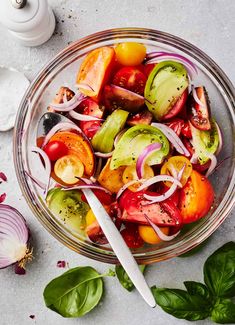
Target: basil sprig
124, 279
75, 292
211, 299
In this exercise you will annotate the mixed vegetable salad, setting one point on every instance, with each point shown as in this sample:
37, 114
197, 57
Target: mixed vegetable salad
138, 133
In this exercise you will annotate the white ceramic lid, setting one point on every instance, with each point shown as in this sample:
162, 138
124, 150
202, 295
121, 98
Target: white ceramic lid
24, 19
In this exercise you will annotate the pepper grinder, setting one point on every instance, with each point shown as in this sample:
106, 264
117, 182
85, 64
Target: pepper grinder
32, 22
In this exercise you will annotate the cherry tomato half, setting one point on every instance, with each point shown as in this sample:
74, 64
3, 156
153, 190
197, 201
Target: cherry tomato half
130, 78
55, 150
149, 236
130, 53
132, 237
130, 174
68, 168
174, 165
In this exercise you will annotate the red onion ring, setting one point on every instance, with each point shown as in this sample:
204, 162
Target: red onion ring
195, 97
83, 117
220, 139
85, 180
212, 165
84, 186
36, 181
157, 57
58, 127
124, 187
173, 138
157, 179
104, 155
47, 163
144, 156
14, 235
158, 231
68, 105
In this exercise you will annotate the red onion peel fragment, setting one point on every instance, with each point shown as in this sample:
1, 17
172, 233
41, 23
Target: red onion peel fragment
3, 177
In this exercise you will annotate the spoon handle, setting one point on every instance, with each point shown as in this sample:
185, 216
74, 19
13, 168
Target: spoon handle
120, 248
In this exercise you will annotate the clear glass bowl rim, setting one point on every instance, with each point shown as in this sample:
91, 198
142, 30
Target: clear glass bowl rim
98, 253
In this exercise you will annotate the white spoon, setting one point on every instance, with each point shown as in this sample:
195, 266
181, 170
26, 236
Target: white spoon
119, 247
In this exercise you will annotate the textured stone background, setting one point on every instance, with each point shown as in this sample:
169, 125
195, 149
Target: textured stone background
210, 25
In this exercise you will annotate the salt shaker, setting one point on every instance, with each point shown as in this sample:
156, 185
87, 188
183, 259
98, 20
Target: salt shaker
32, 22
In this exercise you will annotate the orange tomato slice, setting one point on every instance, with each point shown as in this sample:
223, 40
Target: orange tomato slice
78, 146
94, 70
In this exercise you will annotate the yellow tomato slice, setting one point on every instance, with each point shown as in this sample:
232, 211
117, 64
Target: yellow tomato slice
130, 53
174, 165
68, 168
130, 174
149, 236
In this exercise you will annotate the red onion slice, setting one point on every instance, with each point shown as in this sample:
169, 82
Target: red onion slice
212, 165
157, 57
104, 155
59, 127
173, 138
157, 179
158, 231
144, 156
195, 97
220, 139
14, 237
47, 163
85, 180
3, 197
83, 117
36, 181
124, 187
90, 186
68, 105
3, 177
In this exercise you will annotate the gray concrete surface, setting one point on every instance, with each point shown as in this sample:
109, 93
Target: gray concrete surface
210, 25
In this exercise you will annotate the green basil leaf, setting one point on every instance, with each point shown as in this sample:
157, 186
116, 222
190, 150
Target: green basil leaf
181, 304
197, 288
124, 278
224, 312
219, 271
74, 293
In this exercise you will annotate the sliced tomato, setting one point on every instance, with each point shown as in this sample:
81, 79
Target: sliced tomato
196, 198
55, 150
77, 146
95, 70
68, 169
144, 117
147, 68
186, 131
130, 78
131, 236
177, 107
200, 114
176, 124
91, 108
134, 208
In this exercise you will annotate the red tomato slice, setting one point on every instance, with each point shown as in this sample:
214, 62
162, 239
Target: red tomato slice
130, 78
186, 130
131, 236
196, 198
147, 68
91, 108
177, 107
176, 124
55, 150
134, 208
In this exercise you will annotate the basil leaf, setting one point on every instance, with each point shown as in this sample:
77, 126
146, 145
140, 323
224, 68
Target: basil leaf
219, 271
74, 293
181, 304
124, 278
197, 288
224, 312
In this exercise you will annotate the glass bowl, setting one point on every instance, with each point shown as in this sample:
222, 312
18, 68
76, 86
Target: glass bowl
62, 70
